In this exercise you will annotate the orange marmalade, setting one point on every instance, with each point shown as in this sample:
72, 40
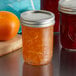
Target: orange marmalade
37, 36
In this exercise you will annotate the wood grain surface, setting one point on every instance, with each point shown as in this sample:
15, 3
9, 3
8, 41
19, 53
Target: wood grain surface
10, 45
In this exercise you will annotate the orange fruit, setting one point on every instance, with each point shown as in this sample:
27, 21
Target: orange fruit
9, 25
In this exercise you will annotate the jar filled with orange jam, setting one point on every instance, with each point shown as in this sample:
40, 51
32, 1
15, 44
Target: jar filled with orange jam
37, 36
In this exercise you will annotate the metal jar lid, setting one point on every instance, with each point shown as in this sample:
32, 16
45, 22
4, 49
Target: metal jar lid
67, 6
38, 18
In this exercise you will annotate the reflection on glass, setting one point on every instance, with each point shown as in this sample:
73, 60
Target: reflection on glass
67, 63
29, 70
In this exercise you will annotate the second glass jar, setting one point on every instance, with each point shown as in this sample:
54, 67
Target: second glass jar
68, 24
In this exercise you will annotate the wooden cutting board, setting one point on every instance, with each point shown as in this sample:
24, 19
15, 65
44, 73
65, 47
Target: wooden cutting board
10, 45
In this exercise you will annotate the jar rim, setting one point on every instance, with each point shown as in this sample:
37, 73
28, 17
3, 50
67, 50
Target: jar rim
65, 9
42, 22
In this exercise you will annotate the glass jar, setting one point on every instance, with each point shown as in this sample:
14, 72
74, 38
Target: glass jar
52, 5
67, 10
37, 35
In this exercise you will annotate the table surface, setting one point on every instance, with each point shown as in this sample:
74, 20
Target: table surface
62, 64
